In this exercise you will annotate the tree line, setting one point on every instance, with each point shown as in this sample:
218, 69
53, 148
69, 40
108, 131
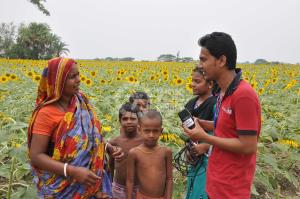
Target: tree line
32, 41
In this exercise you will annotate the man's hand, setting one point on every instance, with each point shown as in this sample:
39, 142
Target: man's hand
83, 175
197, 133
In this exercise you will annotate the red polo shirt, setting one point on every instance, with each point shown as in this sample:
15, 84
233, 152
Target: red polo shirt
230, 175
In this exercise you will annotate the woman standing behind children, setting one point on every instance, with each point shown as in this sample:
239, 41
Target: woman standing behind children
201, 107
150, 163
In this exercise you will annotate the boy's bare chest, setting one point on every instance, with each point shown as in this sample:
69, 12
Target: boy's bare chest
151, 161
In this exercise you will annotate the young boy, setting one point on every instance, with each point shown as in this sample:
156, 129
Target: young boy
127, 139
150, 163
140, 99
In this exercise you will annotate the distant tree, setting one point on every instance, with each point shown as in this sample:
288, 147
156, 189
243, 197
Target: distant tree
126, 59
59, 47
167, 58
186, 59
261, 61
109, 59
7, 37
40, 6
36, 41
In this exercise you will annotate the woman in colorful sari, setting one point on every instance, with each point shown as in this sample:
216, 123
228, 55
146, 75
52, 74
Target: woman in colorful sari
66, 148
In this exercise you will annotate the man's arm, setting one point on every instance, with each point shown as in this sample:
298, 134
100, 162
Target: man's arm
130, 173
244, 144
169, 180
247, 120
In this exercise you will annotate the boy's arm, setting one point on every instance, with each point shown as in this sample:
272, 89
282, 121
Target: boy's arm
169, 181
130, 173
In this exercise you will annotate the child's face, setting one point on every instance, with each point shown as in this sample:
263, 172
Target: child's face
129, 122
143, 104
150, 129
199, 84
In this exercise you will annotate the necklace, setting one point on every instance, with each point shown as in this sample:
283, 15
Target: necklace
149, 152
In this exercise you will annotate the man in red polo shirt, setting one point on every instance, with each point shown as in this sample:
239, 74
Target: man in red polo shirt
237, 122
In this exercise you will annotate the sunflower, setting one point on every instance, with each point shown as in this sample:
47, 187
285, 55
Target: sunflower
131, 79
7, 75
291, 143
88, 82
179, 82
82, 78
108, 117
103, 81
290, 84
274, 80
254, 84
152, 77
165, 72
188, 87
166, 77
106, 128
261, 91
93, 74
3, 79
13, 77
36, 78
30, 74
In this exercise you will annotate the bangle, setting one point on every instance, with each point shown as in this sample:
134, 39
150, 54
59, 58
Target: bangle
65, 169
105, 148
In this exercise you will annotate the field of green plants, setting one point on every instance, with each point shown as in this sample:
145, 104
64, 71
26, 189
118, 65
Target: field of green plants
109, 84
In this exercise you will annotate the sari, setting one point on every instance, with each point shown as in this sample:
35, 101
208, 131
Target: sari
78, 140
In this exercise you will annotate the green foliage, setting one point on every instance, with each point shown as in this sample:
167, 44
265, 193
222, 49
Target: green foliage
39, 4
33, 41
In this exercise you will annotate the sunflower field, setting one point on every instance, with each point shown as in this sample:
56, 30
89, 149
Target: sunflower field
109, 84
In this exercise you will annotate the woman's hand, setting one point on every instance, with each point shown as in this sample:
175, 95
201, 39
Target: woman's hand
200, 149
82, 175
101, 195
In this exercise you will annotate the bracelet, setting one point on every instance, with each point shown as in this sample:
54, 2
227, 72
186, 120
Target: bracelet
105, 148
65, 169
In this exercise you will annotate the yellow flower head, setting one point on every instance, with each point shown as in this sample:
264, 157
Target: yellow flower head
88, 82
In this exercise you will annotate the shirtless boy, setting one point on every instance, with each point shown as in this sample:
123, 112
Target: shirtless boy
150, 163
127, 139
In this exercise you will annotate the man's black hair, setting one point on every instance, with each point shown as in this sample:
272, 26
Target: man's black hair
128, 107
218, 44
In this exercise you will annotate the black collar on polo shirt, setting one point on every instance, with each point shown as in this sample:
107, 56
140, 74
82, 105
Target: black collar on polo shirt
235, 82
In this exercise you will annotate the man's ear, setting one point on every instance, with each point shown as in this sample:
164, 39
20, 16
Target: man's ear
222, 61
161, 130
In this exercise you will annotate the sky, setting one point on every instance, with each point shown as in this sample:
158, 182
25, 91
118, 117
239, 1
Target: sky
145, 29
